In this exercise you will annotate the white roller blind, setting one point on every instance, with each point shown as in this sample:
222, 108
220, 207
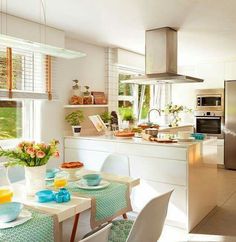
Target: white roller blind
29, 74
3, 69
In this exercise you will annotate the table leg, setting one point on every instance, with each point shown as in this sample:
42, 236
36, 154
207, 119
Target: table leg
73, 234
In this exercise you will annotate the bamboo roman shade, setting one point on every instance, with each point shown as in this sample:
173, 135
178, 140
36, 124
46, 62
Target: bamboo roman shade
25, 74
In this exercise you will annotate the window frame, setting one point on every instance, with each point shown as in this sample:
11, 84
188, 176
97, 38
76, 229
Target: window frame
30, 98
134, 97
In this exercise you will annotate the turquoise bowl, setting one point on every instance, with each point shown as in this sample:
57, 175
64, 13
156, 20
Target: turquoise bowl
10, 211
50, 173
92, 179
45, 196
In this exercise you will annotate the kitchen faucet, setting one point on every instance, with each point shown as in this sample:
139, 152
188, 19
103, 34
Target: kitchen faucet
153, 109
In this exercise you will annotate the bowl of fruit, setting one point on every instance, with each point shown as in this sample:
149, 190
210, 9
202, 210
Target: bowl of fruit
72, 169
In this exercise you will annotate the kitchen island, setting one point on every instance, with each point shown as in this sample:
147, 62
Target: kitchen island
189, 168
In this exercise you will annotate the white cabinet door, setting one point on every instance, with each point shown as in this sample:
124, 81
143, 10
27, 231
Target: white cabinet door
177, 211
92, 160
159, 169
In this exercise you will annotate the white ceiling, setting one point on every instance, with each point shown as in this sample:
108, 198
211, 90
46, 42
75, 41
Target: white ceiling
123, 23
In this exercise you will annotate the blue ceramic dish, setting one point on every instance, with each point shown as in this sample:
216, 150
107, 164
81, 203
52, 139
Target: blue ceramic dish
198, 136
50, 173
10, 211
45, 196
62, 196
92, 179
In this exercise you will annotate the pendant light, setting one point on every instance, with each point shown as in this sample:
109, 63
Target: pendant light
42, 48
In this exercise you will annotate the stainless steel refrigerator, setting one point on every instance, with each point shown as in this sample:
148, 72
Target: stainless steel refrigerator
230, 125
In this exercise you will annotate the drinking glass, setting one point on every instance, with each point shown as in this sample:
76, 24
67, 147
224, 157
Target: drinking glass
60, 180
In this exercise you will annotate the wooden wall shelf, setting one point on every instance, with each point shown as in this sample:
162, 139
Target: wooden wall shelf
87, 106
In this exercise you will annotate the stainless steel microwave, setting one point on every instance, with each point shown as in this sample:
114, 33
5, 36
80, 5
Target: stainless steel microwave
210, 99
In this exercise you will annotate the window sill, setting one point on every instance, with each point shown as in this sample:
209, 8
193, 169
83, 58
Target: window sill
9, 143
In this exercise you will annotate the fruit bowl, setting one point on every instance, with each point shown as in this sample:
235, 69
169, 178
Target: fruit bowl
72, 168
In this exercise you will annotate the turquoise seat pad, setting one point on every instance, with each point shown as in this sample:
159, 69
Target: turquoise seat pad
120, 230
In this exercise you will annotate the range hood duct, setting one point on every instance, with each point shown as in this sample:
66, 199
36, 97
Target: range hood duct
161, 59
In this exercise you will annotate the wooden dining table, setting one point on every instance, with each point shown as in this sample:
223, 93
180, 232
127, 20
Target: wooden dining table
74, 207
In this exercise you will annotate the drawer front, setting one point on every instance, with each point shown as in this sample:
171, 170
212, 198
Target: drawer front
92, 160
166, 152
90, 145
177, 210
159, 170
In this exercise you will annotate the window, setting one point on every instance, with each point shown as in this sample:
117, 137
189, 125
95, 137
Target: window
139, 99
19, 88
10, 119
126, 98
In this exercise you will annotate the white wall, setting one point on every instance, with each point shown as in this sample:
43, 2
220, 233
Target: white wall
89, 70
28, 30
211, 57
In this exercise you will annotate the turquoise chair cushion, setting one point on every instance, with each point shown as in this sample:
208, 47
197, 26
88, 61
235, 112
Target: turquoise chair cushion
120, 230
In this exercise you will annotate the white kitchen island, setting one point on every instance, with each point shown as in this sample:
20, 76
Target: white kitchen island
188, 168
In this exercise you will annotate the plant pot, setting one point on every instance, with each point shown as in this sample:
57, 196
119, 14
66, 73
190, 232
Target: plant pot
76, 130
35, 179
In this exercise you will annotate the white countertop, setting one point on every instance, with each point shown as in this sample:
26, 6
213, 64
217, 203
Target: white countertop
135, 141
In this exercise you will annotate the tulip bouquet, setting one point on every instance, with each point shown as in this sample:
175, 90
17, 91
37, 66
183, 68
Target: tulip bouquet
31, 154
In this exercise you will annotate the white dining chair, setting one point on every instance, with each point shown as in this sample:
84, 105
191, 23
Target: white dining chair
146, 228
116, 164
15, 174
149, 224
100, 236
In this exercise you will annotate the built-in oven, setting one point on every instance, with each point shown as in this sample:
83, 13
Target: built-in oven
210, 99
210, 123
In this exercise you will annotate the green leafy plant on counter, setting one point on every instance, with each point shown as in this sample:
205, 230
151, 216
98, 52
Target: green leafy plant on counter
106, 117
75, 118
173, 110
128, 116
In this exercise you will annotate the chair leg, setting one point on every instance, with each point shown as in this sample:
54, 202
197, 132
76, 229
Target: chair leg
73, 234
125, 216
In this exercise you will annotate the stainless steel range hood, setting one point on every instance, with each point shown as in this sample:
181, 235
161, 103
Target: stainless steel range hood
161, 59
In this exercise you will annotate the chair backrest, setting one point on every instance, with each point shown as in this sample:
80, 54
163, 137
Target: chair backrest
116, 164
149, 223
16, 174
100, 236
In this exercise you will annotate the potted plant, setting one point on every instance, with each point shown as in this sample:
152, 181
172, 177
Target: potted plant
128, 118
34, 157
75, 119
106, 117
173, 111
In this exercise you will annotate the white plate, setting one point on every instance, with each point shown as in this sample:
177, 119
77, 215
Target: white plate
186, 140
49, 179
120, 137
103, 184
23, 217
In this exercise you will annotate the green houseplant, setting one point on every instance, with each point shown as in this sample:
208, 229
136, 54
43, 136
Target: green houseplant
128, 116
75, 119
106, 117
